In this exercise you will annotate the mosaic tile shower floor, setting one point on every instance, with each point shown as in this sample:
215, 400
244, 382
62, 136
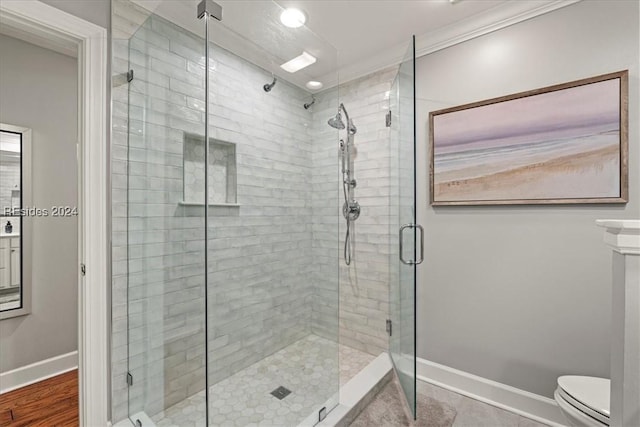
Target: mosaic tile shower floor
306, 367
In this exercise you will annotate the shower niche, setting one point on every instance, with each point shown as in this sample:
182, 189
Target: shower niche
222, 171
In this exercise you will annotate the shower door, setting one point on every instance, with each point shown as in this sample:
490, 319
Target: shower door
405, 234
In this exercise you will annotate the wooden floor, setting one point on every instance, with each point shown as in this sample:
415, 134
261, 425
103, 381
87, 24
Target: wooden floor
49, 403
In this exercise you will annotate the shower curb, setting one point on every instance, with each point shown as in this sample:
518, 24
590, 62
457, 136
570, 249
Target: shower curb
354, 396
357, 393
142, 416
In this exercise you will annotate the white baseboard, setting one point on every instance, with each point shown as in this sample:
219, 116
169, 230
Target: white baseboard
530, 405
38, 371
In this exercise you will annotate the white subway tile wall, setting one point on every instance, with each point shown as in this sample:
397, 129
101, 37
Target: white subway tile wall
364, 289
275, 260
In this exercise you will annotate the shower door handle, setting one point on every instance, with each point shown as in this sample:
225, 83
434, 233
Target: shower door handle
401, 249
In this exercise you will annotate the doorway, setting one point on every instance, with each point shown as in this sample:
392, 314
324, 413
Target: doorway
38, 24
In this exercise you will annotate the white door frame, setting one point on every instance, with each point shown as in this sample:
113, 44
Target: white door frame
44, 21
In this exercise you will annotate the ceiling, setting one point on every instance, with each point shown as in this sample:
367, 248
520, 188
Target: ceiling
350, 38
361, 29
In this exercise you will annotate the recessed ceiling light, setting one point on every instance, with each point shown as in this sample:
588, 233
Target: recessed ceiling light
299, 62
314, 85
293, 18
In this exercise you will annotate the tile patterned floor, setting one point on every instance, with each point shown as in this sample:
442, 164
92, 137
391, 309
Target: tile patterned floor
306, 367
472, 413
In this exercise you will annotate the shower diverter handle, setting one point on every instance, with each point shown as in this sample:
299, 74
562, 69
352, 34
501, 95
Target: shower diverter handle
401, 249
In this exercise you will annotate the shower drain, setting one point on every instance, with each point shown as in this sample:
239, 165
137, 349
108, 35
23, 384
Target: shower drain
281, 392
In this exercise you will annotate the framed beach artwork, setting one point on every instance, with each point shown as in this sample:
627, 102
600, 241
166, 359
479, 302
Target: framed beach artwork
561, 144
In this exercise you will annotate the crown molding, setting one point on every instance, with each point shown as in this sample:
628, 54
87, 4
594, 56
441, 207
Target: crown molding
12, 26
496, 18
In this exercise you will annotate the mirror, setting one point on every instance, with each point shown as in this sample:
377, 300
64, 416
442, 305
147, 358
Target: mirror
14, 168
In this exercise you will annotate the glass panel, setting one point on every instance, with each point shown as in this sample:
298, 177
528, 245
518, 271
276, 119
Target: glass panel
216, 348
403, 212
272, 268
165, 215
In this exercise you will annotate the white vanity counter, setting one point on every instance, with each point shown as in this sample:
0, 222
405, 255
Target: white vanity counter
5, 235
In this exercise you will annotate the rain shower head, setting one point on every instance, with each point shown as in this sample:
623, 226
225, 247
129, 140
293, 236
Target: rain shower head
336, 122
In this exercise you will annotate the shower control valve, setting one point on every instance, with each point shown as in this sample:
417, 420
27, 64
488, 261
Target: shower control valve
351, 210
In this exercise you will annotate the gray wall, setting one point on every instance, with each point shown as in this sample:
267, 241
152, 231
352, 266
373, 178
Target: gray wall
96, 11
38, 90
521, 295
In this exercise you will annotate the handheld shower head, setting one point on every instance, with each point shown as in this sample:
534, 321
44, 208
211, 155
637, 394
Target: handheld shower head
269, 86
336, 122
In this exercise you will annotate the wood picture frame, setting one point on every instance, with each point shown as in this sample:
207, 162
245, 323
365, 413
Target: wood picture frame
561, 144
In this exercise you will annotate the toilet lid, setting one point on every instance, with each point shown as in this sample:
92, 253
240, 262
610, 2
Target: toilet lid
589, 394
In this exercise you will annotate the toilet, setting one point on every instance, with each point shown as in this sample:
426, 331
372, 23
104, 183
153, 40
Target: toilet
584, 401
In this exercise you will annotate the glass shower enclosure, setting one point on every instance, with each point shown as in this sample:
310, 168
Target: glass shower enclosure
232, 274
